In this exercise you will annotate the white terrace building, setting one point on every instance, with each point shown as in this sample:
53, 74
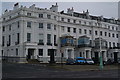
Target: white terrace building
35, 33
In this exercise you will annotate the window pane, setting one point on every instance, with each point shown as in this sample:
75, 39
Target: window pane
28, 37
40, 52
40, 25
29, 24
48, 26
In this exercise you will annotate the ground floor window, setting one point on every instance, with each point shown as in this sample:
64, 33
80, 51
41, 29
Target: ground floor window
16, 51
40, 52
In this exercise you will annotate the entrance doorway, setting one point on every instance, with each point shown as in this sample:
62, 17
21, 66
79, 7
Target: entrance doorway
69, 53
30, 54
96, 59
115, 57
51, 52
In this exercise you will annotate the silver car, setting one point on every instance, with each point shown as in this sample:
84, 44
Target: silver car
89, 61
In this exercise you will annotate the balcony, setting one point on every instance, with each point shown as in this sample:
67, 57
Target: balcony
30, 43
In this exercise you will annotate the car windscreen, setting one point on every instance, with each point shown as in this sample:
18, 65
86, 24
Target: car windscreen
88, 59
80, 59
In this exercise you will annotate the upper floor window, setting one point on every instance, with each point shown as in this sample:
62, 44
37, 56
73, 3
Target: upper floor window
3, 40
54, 17
68, 20
114, 44
109, 35
84, 22
48, 26
9, 17
40, 15
85, 31
28, 14
95, 24
113, 35
108, 27
28, 37
96, 33
105, 33
3, 29
90, 23
116, 35
62, 28
100, 33
62, 19
40, 25
112, 27
9, 27
54, 27
41, 37
116, 28
68, 29
49, 38
29, 24
18, 24
90, 32
80, 31
4, 19
74, 21
49, 16
109, 44
80, 22
54, 39
74, 30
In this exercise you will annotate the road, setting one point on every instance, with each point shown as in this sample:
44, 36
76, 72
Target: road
14, 70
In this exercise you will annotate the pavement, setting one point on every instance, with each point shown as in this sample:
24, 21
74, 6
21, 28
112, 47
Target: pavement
15, 70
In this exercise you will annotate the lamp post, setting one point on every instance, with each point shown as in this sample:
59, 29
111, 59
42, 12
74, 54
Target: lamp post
100, 59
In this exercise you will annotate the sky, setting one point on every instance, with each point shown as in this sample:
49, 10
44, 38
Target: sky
106, 9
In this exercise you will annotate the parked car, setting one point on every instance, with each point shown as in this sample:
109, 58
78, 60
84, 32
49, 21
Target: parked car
80, 60
70, 61
118, 60
89, 61
110, 61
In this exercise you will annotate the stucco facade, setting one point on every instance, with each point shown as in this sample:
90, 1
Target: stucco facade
35, 33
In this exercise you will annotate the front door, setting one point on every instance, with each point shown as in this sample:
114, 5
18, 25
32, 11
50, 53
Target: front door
96, 57
115, 57
30, 53
69, 53
52, 56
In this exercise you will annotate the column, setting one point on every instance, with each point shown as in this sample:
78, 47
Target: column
72, 54
105, 56
85, 54
26, 51
66, 53
89, 54
36, 53
45, 55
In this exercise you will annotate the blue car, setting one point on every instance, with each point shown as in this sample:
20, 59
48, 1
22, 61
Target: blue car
70, 61
80, 60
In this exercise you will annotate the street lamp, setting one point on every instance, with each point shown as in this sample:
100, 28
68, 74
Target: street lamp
100, 59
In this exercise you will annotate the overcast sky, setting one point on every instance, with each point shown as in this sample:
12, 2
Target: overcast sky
107, 9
